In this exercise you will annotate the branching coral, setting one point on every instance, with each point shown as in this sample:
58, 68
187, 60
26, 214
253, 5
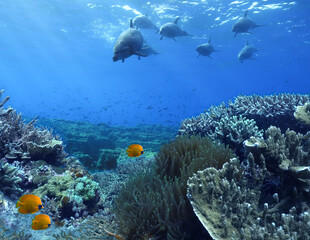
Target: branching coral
154, 203
302, 113
264, 111
267, 197
277, 110
25, 141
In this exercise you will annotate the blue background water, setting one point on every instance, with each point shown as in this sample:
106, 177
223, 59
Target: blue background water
56, 58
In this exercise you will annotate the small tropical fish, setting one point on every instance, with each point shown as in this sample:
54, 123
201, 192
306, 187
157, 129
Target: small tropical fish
41, 222
29, 203
135, 150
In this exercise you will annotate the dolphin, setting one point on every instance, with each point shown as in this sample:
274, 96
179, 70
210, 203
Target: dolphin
172, 30
243, 25
206, 49
142, 21
128, 43
246, 52
148, 50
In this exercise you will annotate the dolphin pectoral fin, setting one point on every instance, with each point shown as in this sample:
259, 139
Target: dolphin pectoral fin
139, 57
198, 55
263, 25
174, 39
123, 60
235, 34
157, 31
131, 24
140, 54
210, 57
161, 38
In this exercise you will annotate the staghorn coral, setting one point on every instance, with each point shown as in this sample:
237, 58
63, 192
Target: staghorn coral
277, 109
154, 203
302, 113
205, 123
9, 180
25, 141
235, 130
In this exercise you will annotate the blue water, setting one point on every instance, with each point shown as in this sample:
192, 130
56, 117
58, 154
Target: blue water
56, 58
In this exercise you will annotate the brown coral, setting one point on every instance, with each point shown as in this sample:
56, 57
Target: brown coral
302, 113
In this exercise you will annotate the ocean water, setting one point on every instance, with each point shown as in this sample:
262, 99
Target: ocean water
56, 58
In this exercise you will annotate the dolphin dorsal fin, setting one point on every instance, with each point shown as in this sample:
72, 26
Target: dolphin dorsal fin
246, 13
176, 20
131, 24
247, 43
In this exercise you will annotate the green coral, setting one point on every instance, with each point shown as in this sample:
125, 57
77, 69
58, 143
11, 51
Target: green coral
83, 189
154, 204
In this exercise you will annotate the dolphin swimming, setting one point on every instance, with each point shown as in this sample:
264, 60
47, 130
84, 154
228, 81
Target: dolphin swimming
246, 52
172, 30
128, 43
243, 25
205, 49
142, 21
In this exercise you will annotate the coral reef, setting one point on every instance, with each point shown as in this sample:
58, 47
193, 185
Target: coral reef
9, 180
262, 111
277, 110
108, 159
264, 197
25, 141
154, 203
87, 141
70, 196
302, 113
